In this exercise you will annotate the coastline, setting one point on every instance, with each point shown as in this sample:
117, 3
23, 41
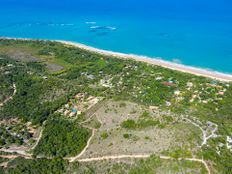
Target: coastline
154, 61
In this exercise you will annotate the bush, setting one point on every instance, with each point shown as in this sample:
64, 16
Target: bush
129, 124
126, 136
140, 124
104, 135
122, 105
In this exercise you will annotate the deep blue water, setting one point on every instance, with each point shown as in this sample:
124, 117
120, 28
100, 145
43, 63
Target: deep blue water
193, 32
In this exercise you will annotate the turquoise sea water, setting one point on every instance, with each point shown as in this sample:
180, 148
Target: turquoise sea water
190, 32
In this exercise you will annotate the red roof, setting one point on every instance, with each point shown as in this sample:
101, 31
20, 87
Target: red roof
168, 84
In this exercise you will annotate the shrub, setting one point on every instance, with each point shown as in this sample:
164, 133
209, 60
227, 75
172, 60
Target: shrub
126, 136
129, 124
104, 135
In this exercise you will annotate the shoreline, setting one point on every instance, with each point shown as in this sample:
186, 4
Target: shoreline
154, 61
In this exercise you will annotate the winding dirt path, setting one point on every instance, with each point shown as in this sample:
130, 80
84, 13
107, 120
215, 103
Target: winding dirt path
201, 161
9, 98
14, 156
114, 157
19, 152
205, 138
40, 136
84, 150
88, 119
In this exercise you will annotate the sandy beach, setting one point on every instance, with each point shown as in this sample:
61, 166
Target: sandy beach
155, 61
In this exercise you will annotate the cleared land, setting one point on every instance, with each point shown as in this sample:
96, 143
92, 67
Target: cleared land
112, 139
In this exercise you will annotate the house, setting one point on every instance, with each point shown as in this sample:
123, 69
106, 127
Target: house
45, 77
72, 114
153, 107
106, 83
220, 93
66, 112
177, 92
168, 103
10, 65
214, 82
91, 77
168, 83
229, 143
159, 78
205, 101
189, 84
74, 110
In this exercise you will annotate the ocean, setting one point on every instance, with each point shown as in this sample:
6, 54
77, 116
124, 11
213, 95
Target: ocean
194, 32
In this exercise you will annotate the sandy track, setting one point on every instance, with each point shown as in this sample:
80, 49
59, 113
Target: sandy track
84, 150
205, 138
88, 119
142, 156
14, 156
113, 157
19, 152
9, 98
117, 157
40, 136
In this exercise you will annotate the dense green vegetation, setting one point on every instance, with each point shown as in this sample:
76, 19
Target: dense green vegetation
3, 160
36, 98
223, 159
62, 138
37, 166
41, 92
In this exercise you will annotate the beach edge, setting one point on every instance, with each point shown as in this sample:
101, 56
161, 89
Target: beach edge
154, 61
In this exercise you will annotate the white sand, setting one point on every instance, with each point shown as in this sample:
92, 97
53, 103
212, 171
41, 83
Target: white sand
155, 61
